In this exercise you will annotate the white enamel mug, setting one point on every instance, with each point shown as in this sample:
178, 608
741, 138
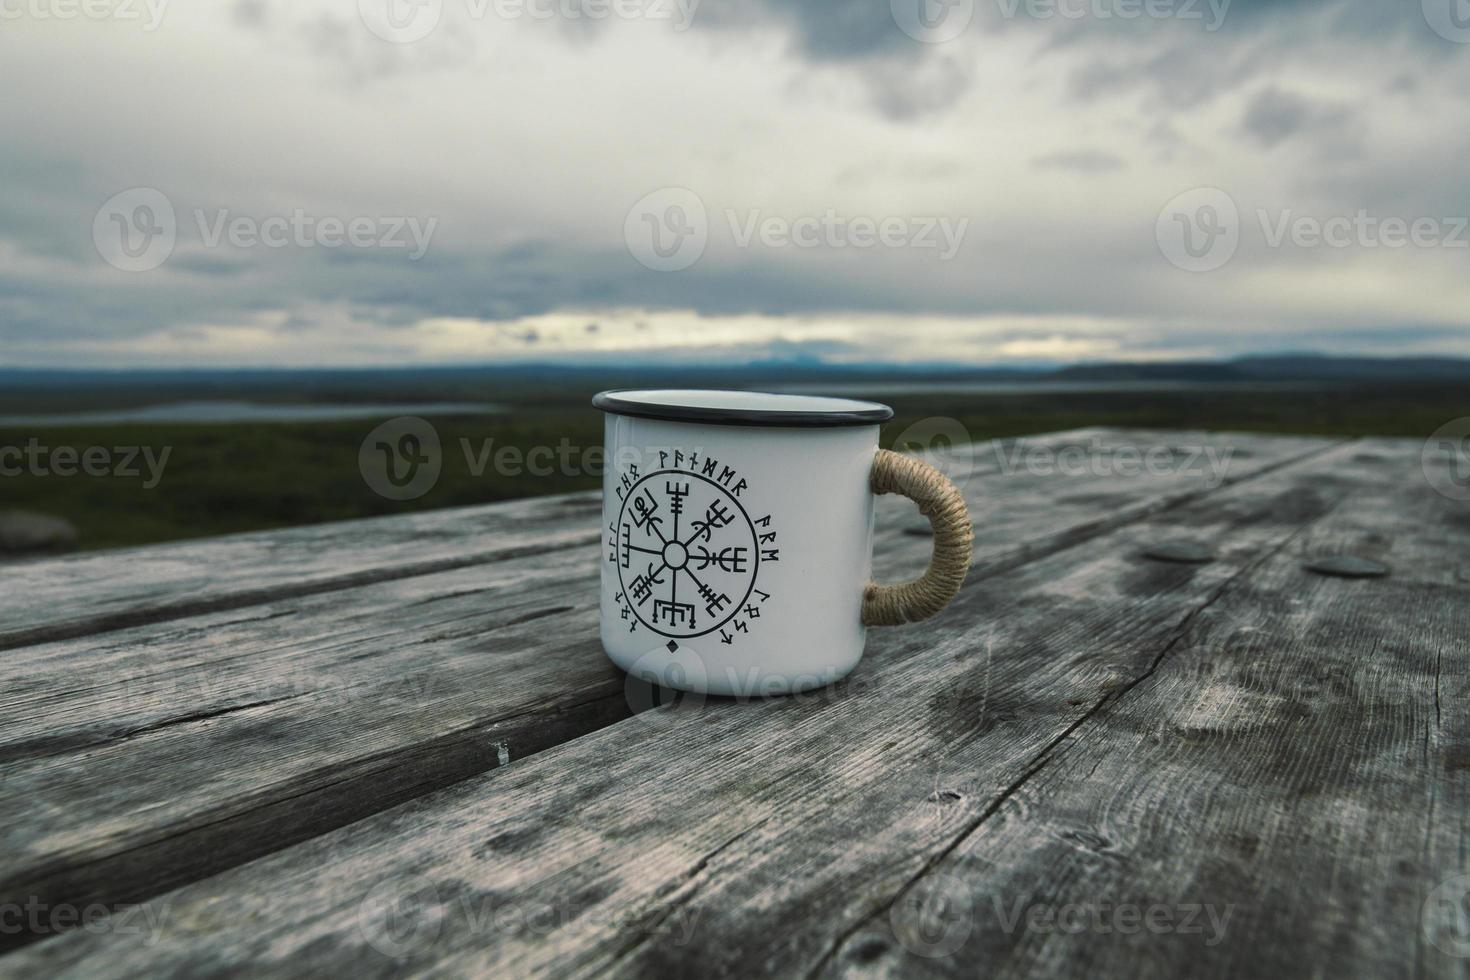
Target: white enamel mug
738, 538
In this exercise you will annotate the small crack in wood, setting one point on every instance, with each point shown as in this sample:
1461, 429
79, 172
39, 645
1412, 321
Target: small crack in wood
1042, 758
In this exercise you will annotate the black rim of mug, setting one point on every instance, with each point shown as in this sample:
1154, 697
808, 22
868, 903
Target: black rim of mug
624, 402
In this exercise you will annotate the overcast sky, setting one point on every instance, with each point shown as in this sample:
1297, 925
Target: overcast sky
322, 182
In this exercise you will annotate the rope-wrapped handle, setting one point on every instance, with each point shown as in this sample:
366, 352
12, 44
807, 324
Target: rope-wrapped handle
941, 502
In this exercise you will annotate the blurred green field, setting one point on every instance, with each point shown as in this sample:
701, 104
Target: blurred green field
224, 478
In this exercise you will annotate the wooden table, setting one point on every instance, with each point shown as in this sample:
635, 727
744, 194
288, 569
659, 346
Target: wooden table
393, 746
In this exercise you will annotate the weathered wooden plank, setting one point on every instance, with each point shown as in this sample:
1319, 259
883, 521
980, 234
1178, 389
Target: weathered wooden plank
73, 596
144, 758
758, 825
1284, 792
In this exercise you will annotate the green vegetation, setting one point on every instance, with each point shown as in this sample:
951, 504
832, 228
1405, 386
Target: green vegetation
226, 478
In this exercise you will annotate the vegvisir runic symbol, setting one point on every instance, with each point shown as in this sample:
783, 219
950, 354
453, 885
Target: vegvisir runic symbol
687, 553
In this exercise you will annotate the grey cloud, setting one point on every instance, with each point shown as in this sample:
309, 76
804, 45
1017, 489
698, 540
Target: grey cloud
47, 205
1080, 161
823, 30
1176, 77
1402, 84
208, 264
1274, 116
1179, 69
251, 13
905, 92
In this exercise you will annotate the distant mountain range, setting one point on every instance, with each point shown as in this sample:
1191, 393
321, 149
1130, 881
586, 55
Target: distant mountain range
1277, 367
1298, 368
553, 386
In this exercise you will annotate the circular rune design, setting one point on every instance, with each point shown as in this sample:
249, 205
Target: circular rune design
686, 553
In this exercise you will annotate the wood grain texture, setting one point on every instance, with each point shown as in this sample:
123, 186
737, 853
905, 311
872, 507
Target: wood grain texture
778, 836
49, 599
73, 596
1283, 793
83, 594
147, 757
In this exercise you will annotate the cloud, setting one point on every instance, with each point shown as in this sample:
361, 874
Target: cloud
1274, 116
251, 13
1079, 161
528, 141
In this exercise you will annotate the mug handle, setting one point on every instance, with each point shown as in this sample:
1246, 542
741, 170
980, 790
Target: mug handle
944, 505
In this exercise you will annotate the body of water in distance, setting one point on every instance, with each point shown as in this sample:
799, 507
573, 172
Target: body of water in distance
235, 412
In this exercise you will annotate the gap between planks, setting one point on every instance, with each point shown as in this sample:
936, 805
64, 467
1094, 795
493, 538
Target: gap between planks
600, 717
897, 669
560, 513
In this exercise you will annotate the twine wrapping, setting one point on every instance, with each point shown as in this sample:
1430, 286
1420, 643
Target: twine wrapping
941, 502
